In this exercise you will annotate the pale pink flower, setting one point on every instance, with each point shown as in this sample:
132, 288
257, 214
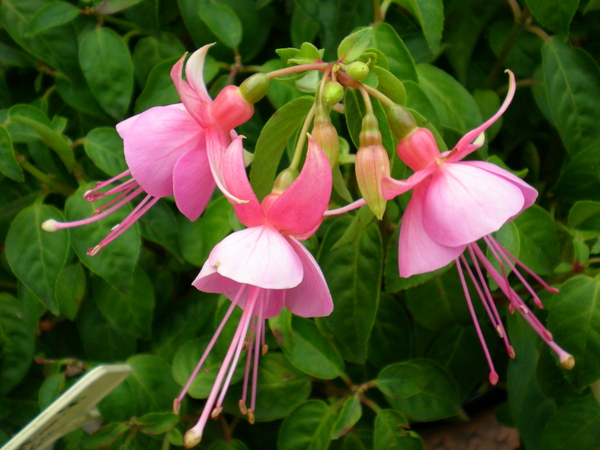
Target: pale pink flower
454, 204
264, 267
165, 150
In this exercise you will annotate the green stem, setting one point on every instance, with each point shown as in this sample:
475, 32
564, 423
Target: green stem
371, 404
52, 184
366, 99
347, 380
121, 23
302, 138
296, 69
383, 99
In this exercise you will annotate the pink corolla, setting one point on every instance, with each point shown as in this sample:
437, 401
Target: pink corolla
454, 204
264, 267
165, 150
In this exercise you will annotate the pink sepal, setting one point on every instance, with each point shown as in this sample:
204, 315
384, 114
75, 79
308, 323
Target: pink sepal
193, 183
392, 188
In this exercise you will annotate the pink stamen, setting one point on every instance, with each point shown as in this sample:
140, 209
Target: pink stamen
257, 351
493, 375
356, 204
92, 196
242, 403
101, 184
112, 201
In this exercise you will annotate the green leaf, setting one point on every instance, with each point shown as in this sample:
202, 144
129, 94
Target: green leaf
51, 388
354, 45
307, 428
401, 380
430, 14
572, 85
579, 175
52, 15
574, 425
389, 85
574, 321
8, 162
438, 399
116, 262
159, 89
233, 444
353, 274
17, 343
132, 314
302, 27
455, 106
585, 215
151, 51
360, 221
391, 432
417, 100
36, 256
113, 6
105, 435
272, 141
108, 70
401, 63
70, 289
34, 118
391, 337
311, 352
157, 423
223, 22
350, 414
104, 146
555, 15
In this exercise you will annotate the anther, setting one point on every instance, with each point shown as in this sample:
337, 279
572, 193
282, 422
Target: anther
215, 412
242, 407
176, 406
499, 331
265, 349
94, 251
251, 420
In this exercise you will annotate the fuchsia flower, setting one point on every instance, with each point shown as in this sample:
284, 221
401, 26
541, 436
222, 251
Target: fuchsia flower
264, 267
454, 204
165, 150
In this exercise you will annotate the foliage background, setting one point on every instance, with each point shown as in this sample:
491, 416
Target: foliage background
395, 351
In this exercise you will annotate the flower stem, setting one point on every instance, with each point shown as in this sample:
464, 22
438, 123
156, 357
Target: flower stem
295, 69
371, 404
302, 138
50, 182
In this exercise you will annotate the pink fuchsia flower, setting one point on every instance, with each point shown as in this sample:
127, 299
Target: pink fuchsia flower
264, 267
165, 150
454, 204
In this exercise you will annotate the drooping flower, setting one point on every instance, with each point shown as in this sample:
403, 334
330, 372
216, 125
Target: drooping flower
165, 150
264, 267
454, 204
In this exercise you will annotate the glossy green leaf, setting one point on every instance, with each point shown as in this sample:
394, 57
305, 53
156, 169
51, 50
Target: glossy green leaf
572, 84
106, 64
430, 14
272, 141
105, 435
579, 175
302, 27
391, 432
417, 100
157, 423
159, 89
401, 380
36, 256
51, 389
151, 51
391, 337
17, 343
223, 22
401, 63
585, 215
311, 352
574, 321
35, 119
555, 15
307, 428
574, 425
8, 162
360, 221
353, 274
354, 45
133, 313
116, 262
159, 225
104, 146
70, 289
389, 85
113, 6
52, 15
350, 414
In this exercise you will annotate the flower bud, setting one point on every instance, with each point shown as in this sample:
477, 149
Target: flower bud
325, 135
401, 121
372, 163
358, 70
418, 150
333, 92
284, 180
255, 87
369, 132
230, 108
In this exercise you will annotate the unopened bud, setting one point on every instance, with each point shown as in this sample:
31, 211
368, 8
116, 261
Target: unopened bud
230, 108
401, 121
284, 180
326, 136
418, 150
333, 92
372, 163
358, 70
369, 132
255, 87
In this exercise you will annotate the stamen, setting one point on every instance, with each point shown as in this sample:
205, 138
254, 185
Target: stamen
215, 412
251, 419
242, 407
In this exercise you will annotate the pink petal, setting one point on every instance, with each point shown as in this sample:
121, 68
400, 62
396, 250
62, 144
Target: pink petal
463, 147
194, 72
311, 298
259, 256
124, 126
300, 208
194, 96
463, 203
193, 183
227, 167
155, 141
529, 193
417, 252
392, 188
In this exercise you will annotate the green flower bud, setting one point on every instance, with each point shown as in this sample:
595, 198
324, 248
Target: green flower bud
369, 132
325, 135
333, 92
255, 87
284, 180
402, 123
358, 70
